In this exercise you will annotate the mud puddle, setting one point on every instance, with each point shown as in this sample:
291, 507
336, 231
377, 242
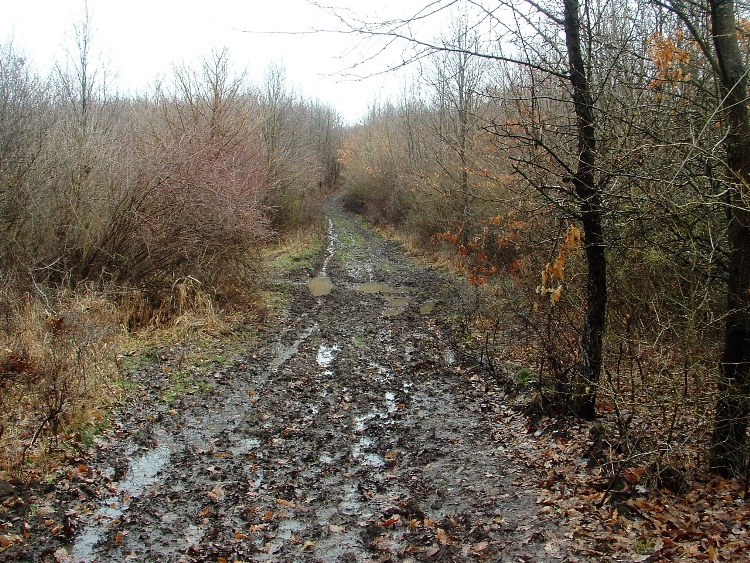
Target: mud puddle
142, 474
322, 285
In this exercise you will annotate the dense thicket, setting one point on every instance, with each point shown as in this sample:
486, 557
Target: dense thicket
140, 193
135, 212
577, 158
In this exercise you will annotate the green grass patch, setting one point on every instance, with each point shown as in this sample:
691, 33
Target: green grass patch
298, 250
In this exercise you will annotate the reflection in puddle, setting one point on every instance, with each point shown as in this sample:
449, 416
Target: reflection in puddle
320, 286
245, 446
359, 421
288, 527
144, 471
449, 357
326, 354
331, 247
390, 402
396, 306
284, 353
397, 302
368, 459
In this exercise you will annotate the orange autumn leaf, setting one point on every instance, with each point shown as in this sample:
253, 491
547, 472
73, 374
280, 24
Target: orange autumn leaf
442, 536
390, 521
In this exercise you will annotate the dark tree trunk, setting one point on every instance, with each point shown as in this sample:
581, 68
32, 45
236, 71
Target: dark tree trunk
729, 442
589, 197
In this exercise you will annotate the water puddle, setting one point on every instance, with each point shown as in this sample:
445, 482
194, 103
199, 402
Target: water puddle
359, 421
193, 535
365, 458
284, 353
326, 355
144, 472
396, 300
390, 407
390, 402
351, 506
245, 446
449, 357
396, 306
320, 286
332, 239
427, 307
287, 528
377, 287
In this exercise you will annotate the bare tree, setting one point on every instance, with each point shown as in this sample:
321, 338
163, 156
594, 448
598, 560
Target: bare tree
24, 120
456, 86
569, 63
723, 52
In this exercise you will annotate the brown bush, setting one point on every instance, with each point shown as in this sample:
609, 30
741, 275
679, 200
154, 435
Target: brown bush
55, 369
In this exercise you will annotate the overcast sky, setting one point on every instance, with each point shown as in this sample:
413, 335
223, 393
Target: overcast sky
139, 40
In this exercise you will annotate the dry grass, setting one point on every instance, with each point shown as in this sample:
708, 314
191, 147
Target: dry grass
57, 365
60, 361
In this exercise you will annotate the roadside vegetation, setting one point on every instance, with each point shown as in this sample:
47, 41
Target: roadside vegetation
132, 220
581, 200
586, 169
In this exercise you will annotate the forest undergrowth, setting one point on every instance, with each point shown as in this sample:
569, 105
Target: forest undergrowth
633, 481
65, 353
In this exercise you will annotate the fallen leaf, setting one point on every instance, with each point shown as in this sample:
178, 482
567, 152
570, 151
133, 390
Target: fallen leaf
480, 547
334, 529
217, 493
6, 540
442, 536
384, 543
390, 521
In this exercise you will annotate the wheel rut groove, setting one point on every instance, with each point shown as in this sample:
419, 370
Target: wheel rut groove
348, 435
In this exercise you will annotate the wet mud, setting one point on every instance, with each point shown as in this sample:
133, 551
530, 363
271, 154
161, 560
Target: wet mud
350, 434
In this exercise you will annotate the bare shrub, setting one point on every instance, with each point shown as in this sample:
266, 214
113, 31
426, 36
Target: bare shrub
56, 368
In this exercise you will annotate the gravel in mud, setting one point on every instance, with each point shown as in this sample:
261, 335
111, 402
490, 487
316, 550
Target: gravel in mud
350, 434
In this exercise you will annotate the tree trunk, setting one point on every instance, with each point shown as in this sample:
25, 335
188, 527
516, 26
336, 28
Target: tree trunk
729, 442
586, 383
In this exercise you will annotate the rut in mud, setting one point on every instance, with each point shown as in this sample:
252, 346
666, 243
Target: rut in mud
350, 435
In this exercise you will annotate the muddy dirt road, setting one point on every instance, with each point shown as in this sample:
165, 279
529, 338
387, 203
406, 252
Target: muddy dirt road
349, 435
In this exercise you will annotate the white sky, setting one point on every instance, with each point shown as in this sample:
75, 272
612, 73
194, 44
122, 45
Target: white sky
139, 40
